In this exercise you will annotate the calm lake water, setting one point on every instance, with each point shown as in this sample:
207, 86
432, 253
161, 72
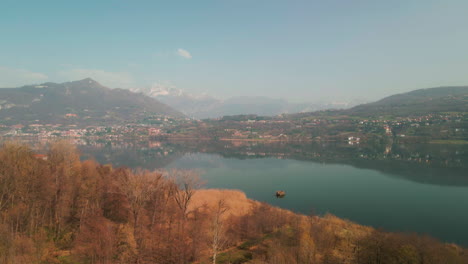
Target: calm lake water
365, 196
410, 188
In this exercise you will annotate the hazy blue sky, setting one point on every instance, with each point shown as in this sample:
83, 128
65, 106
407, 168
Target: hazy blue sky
299, 50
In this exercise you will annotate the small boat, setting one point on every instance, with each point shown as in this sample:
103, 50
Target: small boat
280, 194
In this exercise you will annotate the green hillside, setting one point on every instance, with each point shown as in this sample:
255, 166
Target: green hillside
80, 102
418, 102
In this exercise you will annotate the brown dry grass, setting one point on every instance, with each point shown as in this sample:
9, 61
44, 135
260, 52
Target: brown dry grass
237, 202
240, 205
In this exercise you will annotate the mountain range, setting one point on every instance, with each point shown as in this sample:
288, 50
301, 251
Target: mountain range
205, 106
85, 102
88, 102
417, 102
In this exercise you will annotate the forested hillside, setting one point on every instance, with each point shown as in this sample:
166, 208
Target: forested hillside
417, 102
55, 208
79, 102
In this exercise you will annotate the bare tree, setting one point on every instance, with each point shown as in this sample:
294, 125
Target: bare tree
65, 165
218, 241
186, 184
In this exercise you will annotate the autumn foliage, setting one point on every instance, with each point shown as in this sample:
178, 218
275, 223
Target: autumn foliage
64, 210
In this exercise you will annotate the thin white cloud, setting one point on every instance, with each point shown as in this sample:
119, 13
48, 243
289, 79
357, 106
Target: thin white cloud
11, 77
184, 53
106, 78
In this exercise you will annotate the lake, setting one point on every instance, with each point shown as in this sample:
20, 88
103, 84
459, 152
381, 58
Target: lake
410, 188
365, 196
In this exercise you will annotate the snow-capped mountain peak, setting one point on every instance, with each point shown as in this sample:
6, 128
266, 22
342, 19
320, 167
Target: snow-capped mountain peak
160, 89
164, 89
203, 105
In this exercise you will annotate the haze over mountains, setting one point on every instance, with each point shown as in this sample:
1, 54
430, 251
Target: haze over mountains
418, 102
88, 102
205, 106
85, 102
415, 103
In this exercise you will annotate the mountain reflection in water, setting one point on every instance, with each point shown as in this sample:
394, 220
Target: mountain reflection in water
423, 163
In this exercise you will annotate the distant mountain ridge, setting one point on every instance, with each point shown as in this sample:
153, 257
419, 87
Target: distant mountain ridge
418, 102
88, 102
84, 101
205, 106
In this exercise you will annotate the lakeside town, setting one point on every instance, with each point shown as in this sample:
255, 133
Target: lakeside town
449, 126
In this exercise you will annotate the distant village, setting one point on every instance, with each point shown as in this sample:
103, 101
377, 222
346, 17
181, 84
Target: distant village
280, 128
353, 130
108, 132
251, 136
